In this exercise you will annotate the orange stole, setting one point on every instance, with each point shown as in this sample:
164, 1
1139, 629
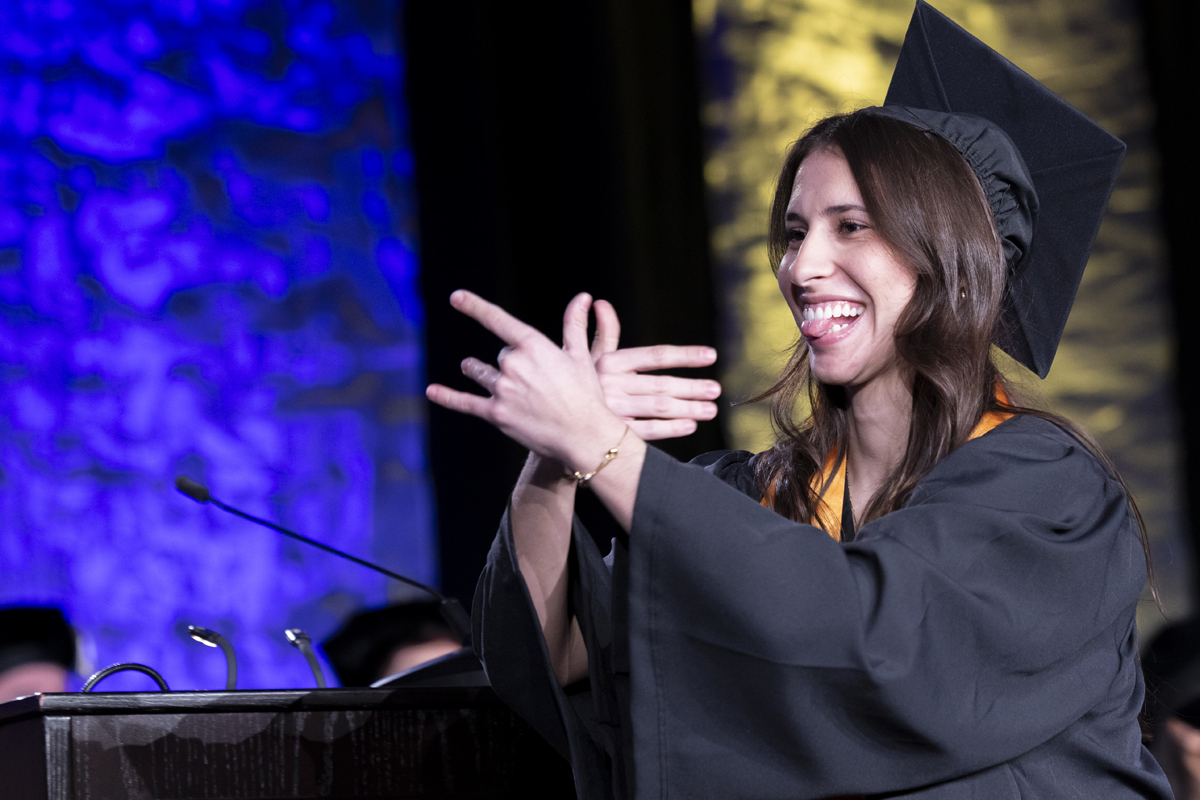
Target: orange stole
830, 485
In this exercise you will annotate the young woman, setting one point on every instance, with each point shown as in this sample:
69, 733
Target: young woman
922, 591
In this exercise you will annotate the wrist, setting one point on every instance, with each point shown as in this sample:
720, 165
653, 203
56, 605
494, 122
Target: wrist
547, 471
593, 452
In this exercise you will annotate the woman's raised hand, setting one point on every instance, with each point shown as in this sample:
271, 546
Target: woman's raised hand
654, 406
574, 404
544, 397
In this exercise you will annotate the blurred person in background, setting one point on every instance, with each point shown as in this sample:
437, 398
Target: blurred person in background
1172, 669
37, 651
379, 642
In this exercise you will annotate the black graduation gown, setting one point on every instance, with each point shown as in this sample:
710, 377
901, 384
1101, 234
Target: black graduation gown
978, 643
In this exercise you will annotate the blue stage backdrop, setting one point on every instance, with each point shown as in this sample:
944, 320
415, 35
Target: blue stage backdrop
207, 267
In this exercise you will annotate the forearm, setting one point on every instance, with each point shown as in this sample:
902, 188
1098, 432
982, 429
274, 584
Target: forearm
617, 484
542, 508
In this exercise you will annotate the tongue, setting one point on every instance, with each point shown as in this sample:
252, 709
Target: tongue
816, 328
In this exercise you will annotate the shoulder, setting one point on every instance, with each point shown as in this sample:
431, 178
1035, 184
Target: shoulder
734, 467
1028, 428
1031, 520
1027, 464
1025, 439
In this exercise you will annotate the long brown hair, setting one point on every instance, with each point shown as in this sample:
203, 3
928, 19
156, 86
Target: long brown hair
927, 205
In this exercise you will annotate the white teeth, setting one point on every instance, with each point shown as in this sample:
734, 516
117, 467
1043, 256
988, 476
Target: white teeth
830, 311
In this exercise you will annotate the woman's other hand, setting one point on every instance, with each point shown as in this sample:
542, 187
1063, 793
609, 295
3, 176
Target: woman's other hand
654, 406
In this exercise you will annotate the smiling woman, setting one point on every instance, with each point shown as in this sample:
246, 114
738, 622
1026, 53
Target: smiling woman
922, 590
884, 226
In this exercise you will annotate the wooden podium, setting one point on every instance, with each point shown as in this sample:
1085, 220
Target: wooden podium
342, 744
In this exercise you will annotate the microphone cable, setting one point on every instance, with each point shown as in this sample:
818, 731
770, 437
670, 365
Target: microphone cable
452, 611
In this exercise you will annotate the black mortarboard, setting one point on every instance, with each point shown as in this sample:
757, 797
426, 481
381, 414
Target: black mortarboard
1046, 168
33, 633
365, 642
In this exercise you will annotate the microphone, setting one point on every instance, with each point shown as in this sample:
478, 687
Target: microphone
299, 640
196, 491
452, 610
213, 639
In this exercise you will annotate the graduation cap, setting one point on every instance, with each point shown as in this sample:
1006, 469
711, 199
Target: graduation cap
31, 633
362, 646
1047, 169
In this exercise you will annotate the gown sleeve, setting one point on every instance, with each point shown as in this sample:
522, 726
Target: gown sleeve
588, 721
992, 616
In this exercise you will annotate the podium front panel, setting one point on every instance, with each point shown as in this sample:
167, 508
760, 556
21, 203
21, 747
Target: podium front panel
337, 744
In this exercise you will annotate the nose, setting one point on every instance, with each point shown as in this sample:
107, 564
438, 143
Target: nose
814, 259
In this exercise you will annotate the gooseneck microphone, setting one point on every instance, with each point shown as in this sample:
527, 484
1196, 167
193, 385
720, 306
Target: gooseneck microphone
213, 639
451, 610
299, 640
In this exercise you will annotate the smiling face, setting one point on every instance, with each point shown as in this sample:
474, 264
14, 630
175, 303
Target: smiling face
844, 285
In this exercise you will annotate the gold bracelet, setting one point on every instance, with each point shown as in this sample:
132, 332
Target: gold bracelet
581, 479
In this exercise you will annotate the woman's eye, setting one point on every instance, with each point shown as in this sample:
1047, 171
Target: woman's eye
849, 226
795, 236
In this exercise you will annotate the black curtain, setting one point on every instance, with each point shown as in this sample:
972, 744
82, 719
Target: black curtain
1170, 39
558, 149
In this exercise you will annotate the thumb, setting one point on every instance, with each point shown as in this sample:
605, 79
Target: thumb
575, 323
608, 329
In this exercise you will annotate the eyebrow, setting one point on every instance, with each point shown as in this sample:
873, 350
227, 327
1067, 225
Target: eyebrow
830, 211
835, 210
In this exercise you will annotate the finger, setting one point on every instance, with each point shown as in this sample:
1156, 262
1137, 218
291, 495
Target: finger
483, 374
657, 407
462, 402
504, 352
492, 317
575, 323
665, 385
663, 356
651, 429
608, 329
